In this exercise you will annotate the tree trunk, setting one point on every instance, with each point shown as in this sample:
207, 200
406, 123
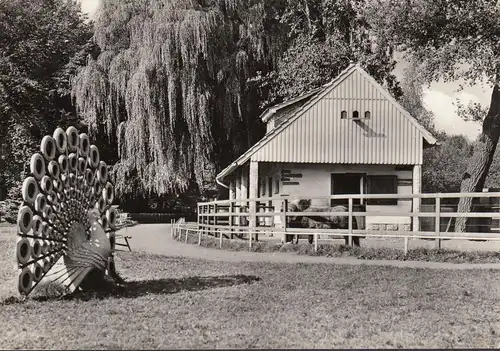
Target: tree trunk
484, 149
308, 16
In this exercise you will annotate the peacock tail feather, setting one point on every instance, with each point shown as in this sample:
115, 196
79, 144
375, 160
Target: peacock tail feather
66, 224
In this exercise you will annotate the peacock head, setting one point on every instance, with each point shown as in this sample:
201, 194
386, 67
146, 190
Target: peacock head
93, 215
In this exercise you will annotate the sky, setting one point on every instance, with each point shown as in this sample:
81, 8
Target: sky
438, 97
89, 6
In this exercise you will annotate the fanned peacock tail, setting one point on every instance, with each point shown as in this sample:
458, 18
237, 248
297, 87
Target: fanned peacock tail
66, 223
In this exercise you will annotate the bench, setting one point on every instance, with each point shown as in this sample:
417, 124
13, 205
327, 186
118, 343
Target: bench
125, 238
124, 221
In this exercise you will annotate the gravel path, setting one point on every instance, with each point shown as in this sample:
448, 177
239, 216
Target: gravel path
156, 239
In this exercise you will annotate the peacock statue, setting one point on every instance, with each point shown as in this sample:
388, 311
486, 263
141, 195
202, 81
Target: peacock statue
66, 224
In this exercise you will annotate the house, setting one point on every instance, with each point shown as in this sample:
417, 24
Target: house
347, 137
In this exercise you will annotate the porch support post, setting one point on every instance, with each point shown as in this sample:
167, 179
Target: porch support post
244, 184
244, 194
232, 190
238, 197
232, 197
238, 187
417, 189
254, 192
262, 193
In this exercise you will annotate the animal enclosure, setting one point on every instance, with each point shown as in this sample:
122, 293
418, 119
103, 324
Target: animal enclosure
230, 219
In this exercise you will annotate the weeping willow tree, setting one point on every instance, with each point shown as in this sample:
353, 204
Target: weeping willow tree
170, 86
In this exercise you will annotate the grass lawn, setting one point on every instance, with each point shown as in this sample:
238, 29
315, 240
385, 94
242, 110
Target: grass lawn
189, 303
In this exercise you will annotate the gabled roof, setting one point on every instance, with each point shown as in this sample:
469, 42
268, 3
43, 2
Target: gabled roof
270, 111
317, 96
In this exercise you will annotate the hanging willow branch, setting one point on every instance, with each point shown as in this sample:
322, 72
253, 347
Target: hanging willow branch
170, 82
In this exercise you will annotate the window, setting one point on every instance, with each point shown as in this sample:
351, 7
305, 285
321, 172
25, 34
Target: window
270, 190
386, 184
355, 115
262, 187
345, 184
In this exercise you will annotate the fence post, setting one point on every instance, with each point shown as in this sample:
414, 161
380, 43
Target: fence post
438, 222
198, 215
200, 227
349, 239
414, 224
215, 220
285, 209
206, 219
171, 228
221, 232
231, 218
315, 242
250, 239
257, 220
186, 230
209, 219
252, 214
238, 218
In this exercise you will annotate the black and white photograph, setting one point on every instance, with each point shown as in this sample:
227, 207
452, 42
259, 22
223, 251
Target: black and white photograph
249, 174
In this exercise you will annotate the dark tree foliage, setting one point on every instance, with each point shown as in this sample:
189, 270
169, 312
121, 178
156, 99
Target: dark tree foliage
171, 85
444, 165
324, 37
412, 96
41, 44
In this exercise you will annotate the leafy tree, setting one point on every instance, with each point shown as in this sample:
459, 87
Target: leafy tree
41, 44
170, 85
493, 179
444, 165
412, 96
324, 37
454, 39
196, 71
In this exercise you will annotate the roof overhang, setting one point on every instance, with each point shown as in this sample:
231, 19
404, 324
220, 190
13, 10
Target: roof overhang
228, 170
270, 111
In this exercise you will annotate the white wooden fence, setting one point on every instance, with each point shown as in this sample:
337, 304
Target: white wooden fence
229, 218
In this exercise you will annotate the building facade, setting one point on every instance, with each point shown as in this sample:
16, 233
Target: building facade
347, 137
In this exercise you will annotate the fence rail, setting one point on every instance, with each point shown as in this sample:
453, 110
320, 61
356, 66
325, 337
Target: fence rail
364, 197
247, 218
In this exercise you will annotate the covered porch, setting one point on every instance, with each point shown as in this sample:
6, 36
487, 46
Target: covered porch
270, 183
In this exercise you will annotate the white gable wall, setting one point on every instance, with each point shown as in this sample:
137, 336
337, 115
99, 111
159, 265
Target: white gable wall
319, 135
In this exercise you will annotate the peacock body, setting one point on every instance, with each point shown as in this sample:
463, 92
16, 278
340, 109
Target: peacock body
66, 222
